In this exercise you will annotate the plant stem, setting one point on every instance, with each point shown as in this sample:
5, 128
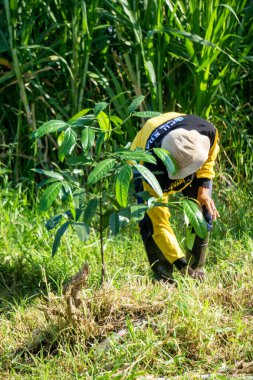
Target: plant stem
101, 237
16, 65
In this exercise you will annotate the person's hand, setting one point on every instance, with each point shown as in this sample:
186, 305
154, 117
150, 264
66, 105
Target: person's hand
199, 275
196, 274
205, 200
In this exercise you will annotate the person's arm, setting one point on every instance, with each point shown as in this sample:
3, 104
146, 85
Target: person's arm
206, 172
205, 200
204, 176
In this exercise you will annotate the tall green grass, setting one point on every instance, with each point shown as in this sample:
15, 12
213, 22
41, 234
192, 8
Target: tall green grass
57, 58
46, 50
181, 52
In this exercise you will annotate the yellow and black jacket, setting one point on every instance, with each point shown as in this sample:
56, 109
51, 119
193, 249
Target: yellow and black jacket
150, 136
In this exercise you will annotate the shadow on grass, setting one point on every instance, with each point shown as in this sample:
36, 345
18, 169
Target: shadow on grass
21, 283
25, 278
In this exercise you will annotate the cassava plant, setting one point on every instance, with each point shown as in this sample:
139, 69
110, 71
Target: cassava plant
96, 184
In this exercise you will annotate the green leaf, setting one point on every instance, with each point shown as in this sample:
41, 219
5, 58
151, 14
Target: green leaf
138, 211
100, 171
60, 138
87, 138
135, 103
124, 216
100, 107
66, 189
143, 156
105, 218
71, 178
150, 179
99, 143
83, 121
49, 196
151, 72
68, 144
79, 160
122, 185
46, 181
70, 199
167, 159
113, 201
53, 221
60, 232
79, 197
147, 114
80, 114
50, 127
82, 230
116, 120
195, 217
144, 195
90, 211
190, 36
48, 173
104, 121
189, 238
114, 223
78, 213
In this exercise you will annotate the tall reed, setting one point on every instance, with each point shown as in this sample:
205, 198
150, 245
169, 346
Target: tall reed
57, 58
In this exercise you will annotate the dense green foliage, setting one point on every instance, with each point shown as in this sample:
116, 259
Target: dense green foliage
57, 58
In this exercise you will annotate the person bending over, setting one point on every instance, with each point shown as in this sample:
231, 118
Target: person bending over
193, 143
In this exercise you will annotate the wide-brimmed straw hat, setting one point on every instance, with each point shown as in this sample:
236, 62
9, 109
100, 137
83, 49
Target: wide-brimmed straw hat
189, 149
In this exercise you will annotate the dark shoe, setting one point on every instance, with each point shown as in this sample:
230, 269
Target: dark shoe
163, 273
163, 270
